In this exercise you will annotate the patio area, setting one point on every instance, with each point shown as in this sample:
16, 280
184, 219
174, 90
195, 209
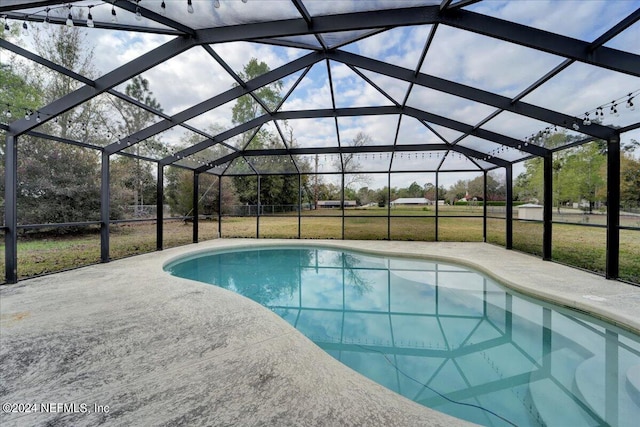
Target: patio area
161, 350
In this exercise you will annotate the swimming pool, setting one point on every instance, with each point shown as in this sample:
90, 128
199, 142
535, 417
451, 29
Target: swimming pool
441, 334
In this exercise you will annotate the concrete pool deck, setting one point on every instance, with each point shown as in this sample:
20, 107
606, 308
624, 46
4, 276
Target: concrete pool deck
161, 350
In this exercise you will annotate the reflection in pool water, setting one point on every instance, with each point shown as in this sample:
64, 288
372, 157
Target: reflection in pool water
441, 335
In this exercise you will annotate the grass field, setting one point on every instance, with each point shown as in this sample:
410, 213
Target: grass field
583, 247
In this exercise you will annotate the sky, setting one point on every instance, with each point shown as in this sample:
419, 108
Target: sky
463, 57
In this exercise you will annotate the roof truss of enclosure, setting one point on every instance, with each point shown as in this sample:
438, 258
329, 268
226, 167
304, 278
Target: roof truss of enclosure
476, 85
409, 73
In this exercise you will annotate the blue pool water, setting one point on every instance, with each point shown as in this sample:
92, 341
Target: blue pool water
442, 335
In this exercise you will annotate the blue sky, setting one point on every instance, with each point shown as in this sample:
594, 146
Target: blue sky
456, 55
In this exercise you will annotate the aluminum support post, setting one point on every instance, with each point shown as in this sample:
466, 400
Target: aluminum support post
613, 207
342, 202
484, 206
437, 210
160, 207
258, 211
11, 209
196, 181
509, 208
220, 206
105, 206
299, 205
389, 206
547, 212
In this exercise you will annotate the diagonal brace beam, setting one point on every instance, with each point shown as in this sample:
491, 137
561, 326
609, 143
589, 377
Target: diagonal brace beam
556, 44
45, 62
106, 82
468, 92
480, 133
347, 150
216, 101
321, 24
420, 115
363, 111
545, 41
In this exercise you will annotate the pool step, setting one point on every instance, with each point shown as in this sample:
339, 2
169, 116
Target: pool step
633, 383
590, 383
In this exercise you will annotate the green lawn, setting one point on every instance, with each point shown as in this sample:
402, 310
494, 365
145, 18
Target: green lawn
583, 247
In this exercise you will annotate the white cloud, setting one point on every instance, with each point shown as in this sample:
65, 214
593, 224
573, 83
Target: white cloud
238, 54
449, 106
380, 44
398, 46
340, 71
395, 88
455, 54
628, 40
514, 125
574, 18
314, 132
356, 92
489, 64
116, 48
581, 88
413, 132
218, 117
313, 98
381, 129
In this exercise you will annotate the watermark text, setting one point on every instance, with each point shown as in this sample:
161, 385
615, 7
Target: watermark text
54, 407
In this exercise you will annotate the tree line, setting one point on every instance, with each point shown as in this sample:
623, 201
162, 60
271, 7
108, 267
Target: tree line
59, 182
580, 175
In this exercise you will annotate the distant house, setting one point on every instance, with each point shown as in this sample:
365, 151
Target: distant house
329, 204
410, 201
